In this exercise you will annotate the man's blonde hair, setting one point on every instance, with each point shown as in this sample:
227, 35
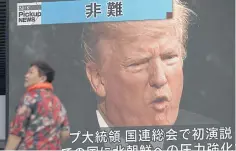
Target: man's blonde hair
122, 31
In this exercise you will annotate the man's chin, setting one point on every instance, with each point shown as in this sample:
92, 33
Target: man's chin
26, 85
165, 120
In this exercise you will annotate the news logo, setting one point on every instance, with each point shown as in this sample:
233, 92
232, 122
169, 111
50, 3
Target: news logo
29, 13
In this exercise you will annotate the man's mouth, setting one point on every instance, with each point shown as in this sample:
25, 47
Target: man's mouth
160, 99
160, 103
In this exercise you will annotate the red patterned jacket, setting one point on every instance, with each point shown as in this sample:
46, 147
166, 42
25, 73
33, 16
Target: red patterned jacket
39, 119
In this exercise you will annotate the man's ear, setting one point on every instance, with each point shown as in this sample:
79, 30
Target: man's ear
43, 78
95, 79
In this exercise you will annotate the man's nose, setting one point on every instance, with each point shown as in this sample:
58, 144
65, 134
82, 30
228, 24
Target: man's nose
158, 74
26, 75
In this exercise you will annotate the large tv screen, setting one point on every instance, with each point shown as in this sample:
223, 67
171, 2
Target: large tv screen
127, 65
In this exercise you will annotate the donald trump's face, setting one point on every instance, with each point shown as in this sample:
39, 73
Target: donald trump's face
138, 72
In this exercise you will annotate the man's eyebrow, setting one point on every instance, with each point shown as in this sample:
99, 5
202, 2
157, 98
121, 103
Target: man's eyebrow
137, 58
175, 49
169, 51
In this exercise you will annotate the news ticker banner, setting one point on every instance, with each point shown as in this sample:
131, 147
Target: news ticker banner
86, 11
185, 138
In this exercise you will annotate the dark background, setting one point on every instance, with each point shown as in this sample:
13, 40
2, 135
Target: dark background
209, 67
3, 50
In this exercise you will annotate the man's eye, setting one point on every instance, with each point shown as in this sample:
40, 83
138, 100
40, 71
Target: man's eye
165, 57
136, 64
139, 62
170, 59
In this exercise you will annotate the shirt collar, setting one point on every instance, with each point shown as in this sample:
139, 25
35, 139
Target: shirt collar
101, 121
